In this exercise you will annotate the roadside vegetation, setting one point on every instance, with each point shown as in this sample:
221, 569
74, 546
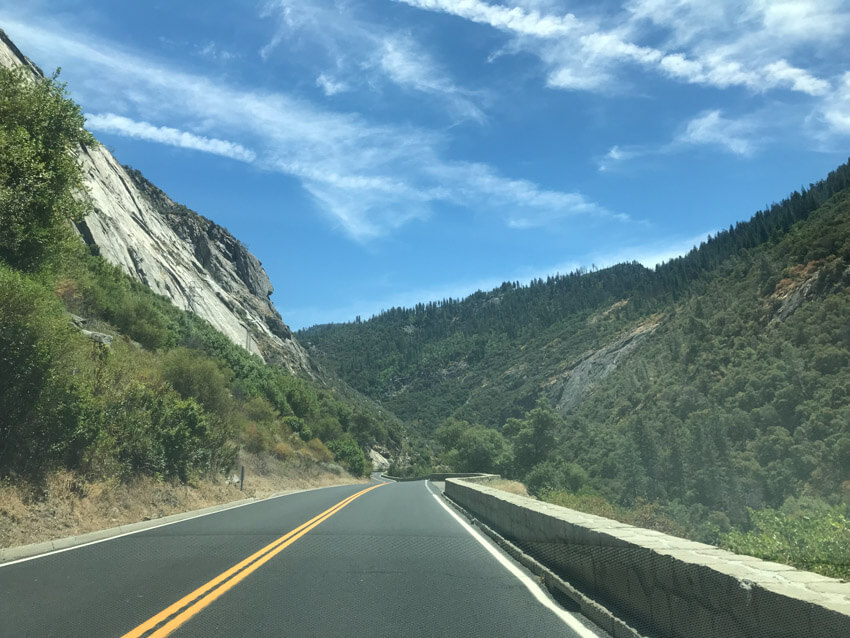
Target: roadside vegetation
170, 398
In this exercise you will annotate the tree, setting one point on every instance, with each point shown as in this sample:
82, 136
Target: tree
483, 450
449, 433
535, 437
195, 376
347, 452
40, 181
555, 475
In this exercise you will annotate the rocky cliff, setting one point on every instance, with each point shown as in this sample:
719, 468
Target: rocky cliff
197, 265
568, 388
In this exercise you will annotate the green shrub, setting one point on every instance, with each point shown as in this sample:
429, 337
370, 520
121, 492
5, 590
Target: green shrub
555, 475
319, 450
254, 438
198, 377
92, 287
298, 426
815, 540
481, 449
259, 410
40, 129
38, 401
348, 453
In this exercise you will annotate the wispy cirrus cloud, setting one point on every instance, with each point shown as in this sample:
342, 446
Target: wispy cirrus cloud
739, 136
357, 52
120, 125
404, 61
329, 85
368, 178
782, 47
588, 53
712, 128
617, 154
836, 109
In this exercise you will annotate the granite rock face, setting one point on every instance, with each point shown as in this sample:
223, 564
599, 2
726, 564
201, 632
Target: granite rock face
569, 389
198, 265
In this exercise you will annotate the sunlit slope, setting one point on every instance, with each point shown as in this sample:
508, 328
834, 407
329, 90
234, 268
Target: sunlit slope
718, 381
488, 357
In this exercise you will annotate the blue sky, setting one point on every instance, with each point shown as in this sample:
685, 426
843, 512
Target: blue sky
379, 153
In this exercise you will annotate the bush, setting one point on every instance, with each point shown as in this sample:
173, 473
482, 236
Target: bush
283, 450
348, 453
152, 431
483, 450
319, 451
815, 541
105, 291
259, 410
255, 439
40, 129
299, 427
195, 376
555, 475
38, 402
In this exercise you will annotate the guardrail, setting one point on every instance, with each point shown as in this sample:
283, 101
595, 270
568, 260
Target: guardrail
660, 584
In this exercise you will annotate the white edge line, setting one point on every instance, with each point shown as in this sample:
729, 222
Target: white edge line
145, 529
535, 589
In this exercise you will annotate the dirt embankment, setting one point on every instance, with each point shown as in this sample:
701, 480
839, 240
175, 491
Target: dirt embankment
67, 505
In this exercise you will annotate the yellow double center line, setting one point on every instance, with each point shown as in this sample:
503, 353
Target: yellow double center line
192, 603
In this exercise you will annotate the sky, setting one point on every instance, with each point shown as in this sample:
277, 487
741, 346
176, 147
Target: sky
380, 153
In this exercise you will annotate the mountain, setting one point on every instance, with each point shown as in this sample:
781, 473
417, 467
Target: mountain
714, 383
135, 353
490, 356
194, 263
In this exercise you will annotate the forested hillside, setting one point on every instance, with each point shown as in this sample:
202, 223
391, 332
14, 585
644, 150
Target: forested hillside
104, 378
690, 395
489, 356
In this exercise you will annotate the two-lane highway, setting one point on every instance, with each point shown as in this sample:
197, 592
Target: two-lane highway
365, 560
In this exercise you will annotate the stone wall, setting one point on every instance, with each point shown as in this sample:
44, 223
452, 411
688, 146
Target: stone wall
663, 585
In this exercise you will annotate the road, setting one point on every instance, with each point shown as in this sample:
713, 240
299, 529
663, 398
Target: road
362, 560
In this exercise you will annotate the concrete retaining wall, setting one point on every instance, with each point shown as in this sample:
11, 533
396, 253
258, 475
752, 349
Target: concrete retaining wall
438, 476
663, 585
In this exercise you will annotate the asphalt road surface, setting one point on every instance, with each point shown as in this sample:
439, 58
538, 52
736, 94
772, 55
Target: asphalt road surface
363, 560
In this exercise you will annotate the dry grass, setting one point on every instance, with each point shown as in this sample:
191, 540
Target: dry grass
514, 487
66, 505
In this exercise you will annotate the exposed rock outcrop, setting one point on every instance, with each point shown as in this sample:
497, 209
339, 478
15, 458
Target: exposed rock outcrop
572, 385
98, 337
197, 265
379, 461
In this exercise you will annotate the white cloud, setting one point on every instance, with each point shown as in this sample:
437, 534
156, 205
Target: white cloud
111, 123
213, 51
717, 44
329, 85
741, 136
406, 64
369, 178
527, 205
616, 155
836, 108
364, 54
650, 254
712, 128
515, 19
